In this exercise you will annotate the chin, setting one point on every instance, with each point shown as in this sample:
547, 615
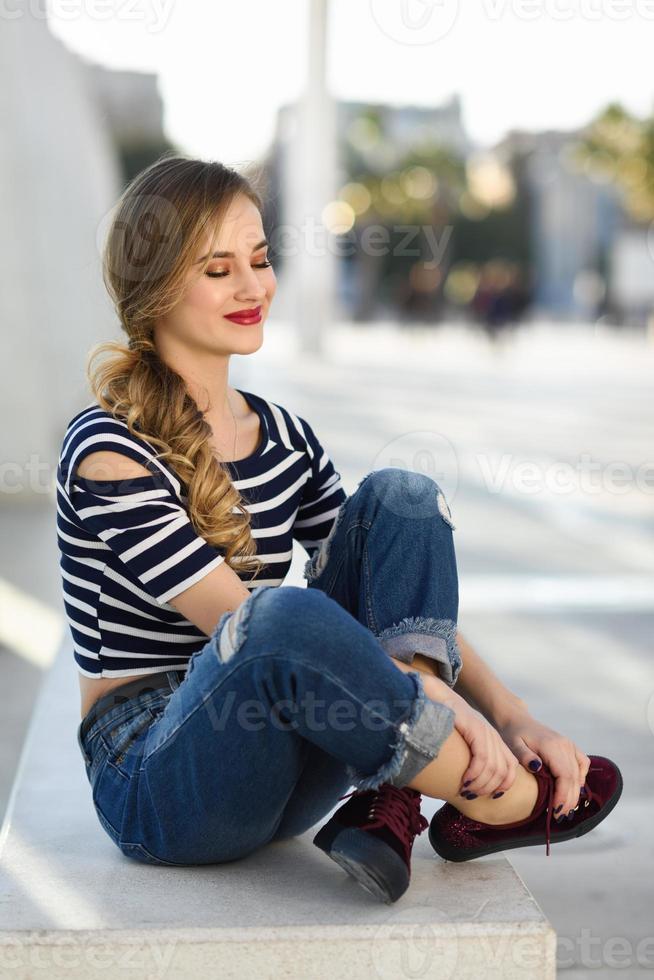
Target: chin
248, 343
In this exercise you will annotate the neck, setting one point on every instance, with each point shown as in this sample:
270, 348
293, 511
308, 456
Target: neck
205, 376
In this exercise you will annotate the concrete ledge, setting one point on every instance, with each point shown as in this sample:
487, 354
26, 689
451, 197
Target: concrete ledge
72, 906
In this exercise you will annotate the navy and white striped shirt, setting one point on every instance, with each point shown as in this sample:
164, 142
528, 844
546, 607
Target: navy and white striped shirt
128, 546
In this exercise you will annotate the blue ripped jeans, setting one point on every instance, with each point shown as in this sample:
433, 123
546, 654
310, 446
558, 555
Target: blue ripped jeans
294, 697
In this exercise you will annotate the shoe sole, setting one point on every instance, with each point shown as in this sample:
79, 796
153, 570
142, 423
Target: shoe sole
456, 854
373, 864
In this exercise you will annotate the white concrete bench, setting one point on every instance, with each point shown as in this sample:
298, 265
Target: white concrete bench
72, 906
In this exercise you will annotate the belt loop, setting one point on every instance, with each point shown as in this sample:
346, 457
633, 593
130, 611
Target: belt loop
85, 755
175, 678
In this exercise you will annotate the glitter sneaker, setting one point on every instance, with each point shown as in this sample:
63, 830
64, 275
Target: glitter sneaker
459, 838
371, 837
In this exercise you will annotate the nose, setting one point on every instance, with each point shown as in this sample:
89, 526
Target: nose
250, 286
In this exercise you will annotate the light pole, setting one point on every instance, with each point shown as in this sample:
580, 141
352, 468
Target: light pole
311, 185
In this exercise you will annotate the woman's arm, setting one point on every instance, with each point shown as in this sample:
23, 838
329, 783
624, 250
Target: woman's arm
478, 685
530, 741
481, 688
492, 765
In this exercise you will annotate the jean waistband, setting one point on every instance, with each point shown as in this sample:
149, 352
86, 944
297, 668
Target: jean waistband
122, 693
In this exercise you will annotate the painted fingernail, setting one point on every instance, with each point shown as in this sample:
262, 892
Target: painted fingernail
582, 791
535, 765
497, 795
559, 807
571, 814
472, 796
560, 819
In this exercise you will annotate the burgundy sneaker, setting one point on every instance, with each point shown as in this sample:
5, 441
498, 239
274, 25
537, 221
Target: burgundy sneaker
371, 837
458, 838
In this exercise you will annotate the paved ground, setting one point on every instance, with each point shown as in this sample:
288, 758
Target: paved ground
541, 445
31, 621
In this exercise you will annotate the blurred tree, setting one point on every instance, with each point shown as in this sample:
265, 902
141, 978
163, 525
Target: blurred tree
404, 202
422, 211
620, 147
500, 231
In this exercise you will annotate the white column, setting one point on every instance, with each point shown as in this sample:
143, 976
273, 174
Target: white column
58, 176
311, 184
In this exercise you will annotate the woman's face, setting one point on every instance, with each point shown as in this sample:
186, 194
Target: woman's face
240, 281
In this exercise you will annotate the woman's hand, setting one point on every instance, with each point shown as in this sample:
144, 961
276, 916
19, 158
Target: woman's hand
493, 765
531, 742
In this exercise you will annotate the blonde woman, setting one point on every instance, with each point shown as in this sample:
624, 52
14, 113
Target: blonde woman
219, 712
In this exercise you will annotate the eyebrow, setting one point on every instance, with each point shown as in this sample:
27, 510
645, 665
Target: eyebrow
230, 255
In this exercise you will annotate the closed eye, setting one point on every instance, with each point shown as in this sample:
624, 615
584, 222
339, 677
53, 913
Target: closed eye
219, 275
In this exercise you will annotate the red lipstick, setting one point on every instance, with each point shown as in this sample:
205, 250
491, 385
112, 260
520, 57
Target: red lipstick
245, 316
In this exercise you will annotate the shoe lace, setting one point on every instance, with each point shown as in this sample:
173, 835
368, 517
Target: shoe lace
397, 808
548, 818
588, 795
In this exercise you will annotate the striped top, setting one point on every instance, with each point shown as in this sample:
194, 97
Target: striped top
127, 547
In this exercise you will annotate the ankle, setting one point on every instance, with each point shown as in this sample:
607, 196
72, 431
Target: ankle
516, 804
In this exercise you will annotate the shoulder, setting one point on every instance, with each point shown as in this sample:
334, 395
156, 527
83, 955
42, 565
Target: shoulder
106, 464
94, 429
105, 443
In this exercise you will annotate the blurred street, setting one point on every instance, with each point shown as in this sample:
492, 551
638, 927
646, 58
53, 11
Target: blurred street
556, 589
556, 586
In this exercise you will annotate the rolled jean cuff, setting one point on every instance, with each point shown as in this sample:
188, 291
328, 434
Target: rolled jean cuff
435, 638
419, 740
